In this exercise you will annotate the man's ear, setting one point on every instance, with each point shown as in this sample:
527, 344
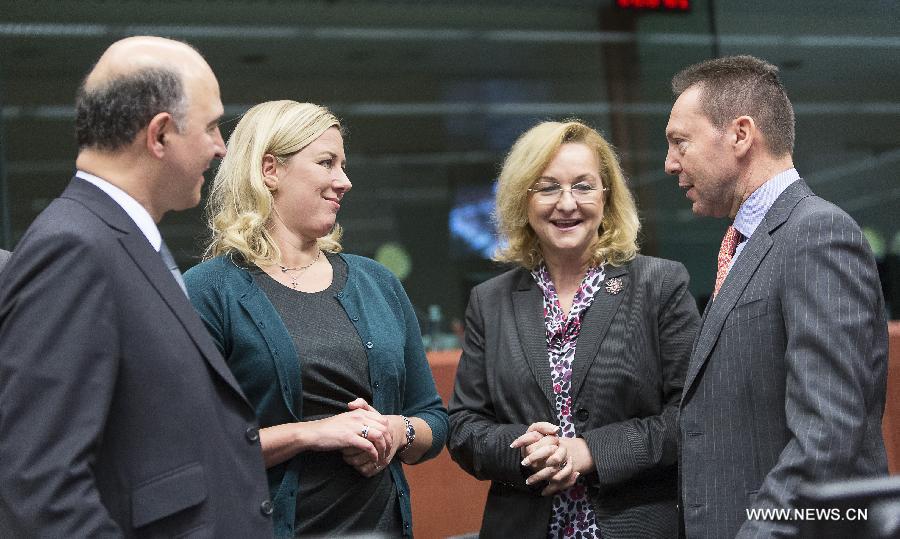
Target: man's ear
270, 171
744, 132
160, 126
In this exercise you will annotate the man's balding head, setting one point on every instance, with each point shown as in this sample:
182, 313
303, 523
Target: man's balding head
133, 54
135, 79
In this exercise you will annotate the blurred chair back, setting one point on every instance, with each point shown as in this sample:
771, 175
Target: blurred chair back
446, 501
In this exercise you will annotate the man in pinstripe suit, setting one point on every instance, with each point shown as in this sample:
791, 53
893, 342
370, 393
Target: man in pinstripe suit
786, 382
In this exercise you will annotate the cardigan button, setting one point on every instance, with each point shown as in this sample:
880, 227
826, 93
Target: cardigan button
252, 434
354, 318
369, 344
266, 507
582, 415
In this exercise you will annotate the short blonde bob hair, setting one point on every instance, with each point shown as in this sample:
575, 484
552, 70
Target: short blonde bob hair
240, 205
616, 241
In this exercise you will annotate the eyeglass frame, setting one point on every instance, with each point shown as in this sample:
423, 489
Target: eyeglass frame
568, 189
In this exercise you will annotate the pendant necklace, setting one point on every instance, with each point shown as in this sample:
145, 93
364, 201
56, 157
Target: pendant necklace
299, 269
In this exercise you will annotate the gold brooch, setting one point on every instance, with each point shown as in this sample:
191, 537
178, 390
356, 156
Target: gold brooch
614, 285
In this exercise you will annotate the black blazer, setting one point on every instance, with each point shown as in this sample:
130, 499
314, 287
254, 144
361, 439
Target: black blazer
118, 416
787, 378
630, 361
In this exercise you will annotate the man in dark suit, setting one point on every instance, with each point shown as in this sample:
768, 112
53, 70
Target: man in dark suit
786, 382
118, 417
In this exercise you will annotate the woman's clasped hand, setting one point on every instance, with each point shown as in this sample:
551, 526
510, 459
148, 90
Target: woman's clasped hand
372, 453
547, 455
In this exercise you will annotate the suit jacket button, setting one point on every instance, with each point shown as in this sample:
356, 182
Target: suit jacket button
266, 507
582, 415
252, 434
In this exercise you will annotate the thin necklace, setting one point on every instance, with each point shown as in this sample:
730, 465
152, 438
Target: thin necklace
299, 269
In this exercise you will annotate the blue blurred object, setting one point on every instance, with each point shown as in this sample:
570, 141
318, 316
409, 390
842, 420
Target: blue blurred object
472, 228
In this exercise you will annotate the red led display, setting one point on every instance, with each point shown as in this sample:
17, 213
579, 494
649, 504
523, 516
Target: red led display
655, 5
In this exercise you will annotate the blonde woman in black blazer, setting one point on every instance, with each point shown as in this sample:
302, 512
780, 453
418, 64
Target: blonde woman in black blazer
567, 391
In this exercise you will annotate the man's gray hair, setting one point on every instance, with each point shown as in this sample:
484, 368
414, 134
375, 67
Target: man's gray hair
110, 115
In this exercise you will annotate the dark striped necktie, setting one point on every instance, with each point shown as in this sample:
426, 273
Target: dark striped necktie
173, 267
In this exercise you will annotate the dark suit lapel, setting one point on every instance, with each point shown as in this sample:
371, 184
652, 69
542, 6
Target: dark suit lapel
528, 305
739, 276
595, 324
151, 265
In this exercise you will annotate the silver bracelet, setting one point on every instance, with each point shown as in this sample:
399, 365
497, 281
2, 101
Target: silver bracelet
410, 434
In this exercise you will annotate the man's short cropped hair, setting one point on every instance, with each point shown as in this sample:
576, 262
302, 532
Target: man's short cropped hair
737, 86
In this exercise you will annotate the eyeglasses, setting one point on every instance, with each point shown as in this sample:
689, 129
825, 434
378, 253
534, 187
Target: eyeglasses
550, 192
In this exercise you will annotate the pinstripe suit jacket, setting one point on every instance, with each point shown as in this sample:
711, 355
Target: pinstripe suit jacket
787, 376
629, 364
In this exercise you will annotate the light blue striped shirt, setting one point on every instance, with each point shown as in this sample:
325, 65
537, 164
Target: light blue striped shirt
754, 209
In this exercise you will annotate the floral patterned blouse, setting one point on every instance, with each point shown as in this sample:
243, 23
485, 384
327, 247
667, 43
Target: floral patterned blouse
572, 515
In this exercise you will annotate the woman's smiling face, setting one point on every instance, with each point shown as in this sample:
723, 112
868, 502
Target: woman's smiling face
567, 227
310, 185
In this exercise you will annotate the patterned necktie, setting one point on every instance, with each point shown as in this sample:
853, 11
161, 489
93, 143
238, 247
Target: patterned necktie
726, 253
169, 260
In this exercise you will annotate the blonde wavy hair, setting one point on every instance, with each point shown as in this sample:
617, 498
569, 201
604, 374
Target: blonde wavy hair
240, 205
616, 241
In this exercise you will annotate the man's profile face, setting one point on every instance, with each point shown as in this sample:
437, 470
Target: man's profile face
190, 150
699, 154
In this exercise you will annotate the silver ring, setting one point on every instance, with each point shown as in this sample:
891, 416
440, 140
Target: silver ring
563, 465
365, 432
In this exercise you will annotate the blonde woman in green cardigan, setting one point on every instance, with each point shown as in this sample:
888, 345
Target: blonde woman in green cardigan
325, 345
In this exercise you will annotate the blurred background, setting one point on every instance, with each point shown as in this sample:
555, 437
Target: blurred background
434, 93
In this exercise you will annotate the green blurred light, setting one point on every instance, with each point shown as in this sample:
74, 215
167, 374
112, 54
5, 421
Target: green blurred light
895, 244
876, 241
395, 258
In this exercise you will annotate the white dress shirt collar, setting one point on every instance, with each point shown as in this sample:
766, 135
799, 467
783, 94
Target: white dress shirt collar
132, 207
